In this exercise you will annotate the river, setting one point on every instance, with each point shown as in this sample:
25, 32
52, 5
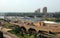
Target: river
24, 18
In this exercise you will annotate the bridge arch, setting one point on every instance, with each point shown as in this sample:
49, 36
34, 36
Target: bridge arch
32, 31
23, 29
41, 31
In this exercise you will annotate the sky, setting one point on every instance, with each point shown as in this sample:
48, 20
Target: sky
29, 5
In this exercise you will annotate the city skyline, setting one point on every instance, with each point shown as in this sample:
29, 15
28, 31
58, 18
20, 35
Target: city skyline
29, 5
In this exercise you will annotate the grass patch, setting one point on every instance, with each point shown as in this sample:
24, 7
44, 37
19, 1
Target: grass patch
19, 35
53, 19
7, 25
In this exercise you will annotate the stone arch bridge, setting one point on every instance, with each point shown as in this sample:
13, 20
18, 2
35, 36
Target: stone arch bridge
39, 26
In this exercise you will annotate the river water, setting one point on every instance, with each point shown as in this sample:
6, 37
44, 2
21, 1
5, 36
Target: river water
23, 18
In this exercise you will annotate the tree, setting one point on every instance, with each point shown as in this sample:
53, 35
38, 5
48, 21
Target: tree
1, 34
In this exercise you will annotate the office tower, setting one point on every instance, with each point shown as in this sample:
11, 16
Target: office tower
37, 11
44, 12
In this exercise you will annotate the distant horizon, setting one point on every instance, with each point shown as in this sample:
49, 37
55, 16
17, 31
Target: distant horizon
27, 12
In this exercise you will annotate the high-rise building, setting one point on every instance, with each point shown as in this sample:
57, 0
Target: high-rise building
37, 11
44, 11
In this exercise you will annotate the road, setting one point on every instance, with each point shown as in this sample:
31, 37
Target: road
9, 35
